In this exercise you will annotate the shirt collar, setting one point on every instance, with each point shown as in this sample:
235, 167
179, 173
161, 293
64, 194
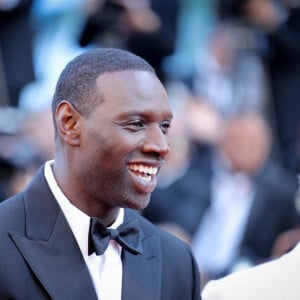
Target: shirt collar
77, 219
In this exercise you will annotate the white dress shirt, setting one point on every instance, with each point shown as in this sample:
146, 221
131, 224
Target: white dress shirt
106, 269
217, 239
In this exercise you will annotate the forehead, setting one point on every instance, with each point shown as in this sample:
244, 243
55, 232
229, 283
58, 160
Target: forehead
133, 92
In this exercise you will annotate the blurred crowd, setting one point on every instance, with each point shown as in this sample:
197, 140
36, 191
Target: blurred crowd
232, 72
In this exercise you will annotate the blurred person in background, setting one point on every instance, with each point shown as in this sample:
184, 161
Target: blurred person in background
230, 75
57, 25
276, 24
16, 169
16, 49
277, 278
26, 140
252, 200
147, 28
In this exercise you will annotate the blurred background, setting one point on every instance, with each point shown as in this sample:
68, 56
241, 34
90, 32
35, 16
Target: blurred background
232, 72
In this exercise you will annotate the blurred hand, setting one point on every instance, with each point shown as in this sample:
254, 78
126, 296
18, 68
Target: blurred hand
202, 122
286, 241
140, 20
91, 7
263, 13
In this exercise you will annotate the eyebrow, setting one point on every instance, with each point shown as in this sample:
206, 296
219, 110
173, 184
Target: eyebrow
145, 114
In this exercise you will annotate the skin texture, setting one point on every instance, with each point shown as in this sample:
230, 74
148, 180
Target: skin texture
93, 152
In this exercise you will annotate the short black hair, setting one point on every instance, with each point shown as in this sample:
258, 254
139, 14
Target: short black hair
76, 83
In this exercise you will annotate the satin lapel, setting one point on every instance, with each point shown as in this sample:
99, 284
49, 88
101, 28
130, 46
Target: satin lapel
142, 273
50, 248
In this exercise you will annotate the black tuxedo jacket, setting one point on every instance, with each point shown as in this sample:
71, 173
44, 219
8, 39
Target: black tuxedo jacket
40, 258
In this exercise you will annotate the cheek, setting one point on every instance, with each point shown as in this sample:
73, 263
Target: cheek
112, 147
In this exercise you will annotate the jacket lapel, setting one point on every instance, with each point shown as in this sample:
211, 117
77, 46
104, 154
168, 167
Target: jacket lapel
49, 246
142, 272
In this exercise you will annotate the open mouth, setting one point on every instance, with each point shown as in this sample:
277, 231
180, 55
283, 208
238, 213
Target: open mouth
145, 172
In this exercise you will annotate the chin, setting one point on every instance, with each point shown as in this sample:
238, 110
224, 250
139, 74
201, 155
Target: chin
138, 203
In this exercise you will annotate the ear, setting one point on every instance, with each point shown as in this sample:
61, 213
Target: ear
68, 122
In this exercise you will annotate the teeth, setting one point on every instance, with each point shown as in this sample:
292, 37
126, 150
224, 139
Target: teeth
146, 178
144, 169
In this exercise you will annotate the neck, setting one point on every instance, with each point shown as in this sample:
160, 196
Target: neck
78, 197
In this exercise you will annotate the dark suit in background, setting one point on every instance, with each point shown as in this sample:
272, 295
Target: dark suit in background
284, 62
16, 46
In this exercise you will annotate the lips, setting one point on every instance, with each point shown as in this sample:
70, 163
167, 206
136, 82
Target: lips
144, 177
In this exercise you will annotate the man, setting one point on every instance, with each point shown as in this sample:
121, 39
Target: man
111, 118
276, 280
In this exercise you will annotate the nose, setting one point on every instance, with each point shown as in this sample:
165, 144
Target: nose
157, 142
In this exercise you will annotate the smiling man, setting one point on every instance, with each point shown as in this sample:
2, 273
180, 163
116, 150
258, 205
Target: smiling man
73, 232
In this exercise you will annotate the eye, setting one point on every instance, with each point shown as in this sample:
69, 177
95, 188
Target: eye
135, 125
165, 126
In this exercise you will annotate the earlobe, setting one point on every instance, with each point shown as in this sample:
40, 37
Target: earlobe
68, 123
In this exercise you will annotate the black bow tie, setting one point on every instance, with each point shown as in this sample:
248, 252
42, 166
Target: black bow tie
127, 235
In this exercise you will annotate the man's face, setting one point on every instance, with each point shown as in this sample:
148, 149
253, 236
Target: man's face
124, 141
